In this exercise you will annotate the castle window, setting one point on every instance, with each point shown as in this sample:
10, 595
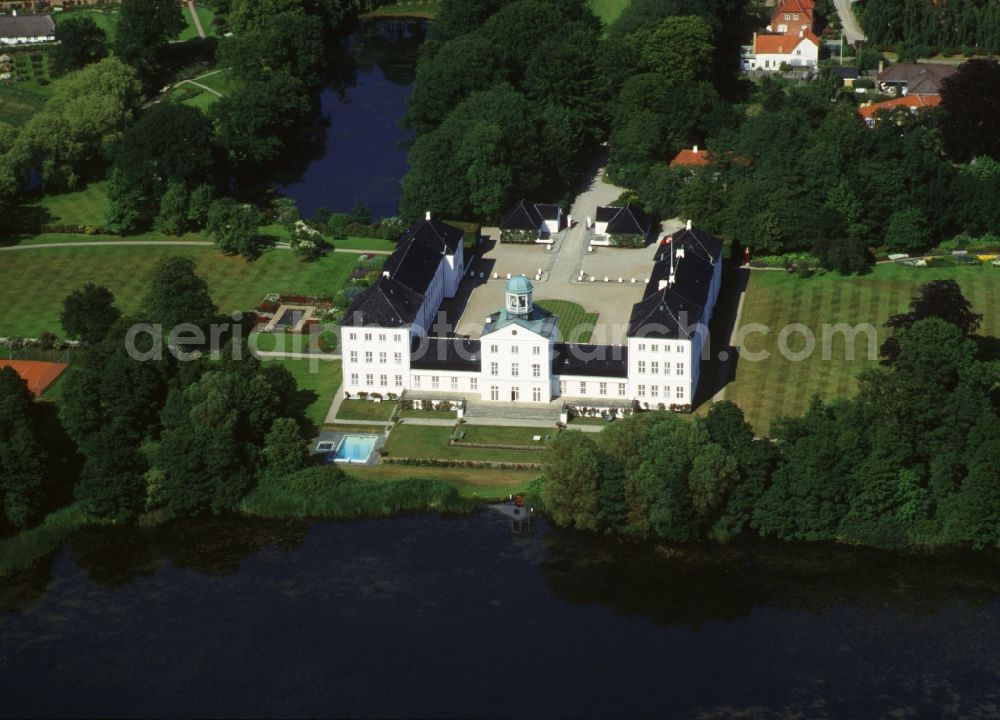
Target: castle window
513, 350
354, 356
536, 370
583, 388
642, 391
369, 379
354, 378
435, 382
368, 337
494, 368
642, 367
399, 381
621, 389
454, 383
382, 358
654, 390
383, 380
368, 356
494, 392
398, 358
473, 383
353, 336
654, 367
536, 350
680, 368
381, 337
536, 394
514, 370
603, 388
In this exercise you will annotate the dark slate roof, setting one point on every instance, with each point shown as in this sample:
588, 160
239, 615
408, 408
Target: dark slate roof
630, 220
27, 26
920, 78
434, 235
387, 303
590, 360
696, 242
672, 311
605, 214
446, 353
845, 72
413, 264
548, 212
523, 216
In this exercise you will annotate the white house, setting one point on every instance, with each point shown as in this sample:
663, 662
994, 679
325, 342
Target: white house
627, 220
26, 29
390, 346
770, 51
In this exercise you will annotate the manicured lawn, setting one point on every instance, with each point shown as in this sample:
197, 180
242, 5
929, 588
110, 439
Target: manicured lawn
427, 441
777, 386
280, 342
410, 8
587, 421
575, 323
471, 482
365, 410
608, 10
318, 381
222, 82
205, 15
502, 435
194, 96
107, 21
33, 283
353, 243
84, 207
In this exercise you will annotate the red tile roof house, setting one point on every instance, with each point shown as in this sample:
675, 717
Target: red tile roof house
770, 52
691, 158
914, 103
792, 17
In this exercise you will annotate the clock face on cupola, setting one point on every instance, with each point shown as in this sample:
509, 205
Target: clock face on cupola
519, 291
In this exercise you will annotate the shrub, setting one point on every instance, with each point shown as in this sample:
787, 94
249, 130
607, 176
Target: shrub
518, 236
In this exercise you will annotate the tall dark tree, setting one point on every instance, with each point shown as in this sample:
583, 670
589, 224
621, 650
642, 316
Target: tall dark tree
177, 295
940, 299
81, 41
144, 30
88, 313
971, 102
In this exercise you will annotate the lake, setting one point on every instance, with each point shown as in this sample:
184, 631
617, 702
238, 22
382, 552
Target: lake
422, 615
364, 159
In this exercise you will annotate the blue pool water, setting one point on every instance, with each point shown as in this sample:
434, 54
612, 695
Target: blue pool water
355, 448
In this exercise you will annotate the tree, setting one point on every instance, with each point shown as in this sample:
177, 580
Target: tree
285, 452
112, 483
88, 313
144, 30
68, 139
177, 295
971, 102
940, 299
254, 122
173, 216
908, 231
246, 16
573, 474
679, 48
458, 17
291, 43
80, 42
234, 227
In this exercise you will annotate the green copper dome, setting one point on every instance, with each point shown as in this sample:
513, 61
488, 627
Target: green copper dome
519, 285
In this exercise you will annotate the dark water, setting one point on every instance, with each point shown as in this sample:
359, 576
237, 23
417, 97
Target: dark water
426, 616
364, 160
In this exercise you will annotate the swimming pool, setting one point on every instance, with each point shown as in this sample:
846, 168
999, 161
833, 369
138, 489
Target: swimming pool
355, 448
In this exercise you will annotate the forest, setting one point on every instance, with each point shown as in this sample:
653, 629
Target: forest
922, 28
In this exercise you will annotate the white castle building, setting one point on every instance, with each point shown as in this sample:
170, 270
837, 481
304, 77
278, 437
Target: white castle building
520, 357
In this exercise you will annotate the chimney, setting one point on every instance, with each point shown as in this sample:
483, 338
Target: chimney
427, 215
662, 285
881, 66
695, 149
802, 33
385, 273
689, 224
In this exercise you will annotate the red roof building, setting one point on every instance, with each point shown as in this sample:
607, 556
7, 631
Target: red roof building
913, 102
38, 375
693, 157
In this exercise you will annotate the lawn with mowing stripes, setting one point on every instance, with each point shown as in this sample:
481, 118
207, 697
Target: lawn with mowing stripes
33, 283
575, 323
106, 20
777, 386
481, 483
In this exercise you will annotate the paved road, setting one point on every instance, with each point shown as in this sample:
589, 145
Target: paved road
196, 19
850, 24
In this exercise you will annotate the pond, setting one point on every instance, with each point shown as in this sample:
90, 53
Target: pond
421, 615
364, 159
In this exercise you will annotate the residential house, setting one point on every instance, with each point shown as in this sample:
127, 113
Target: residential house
914, 78
914, 103
26, 29
693, 158
772, 51
792, 17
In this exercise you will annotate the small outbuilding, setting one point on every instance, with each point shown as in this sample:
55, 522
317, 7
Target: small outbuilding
530, 222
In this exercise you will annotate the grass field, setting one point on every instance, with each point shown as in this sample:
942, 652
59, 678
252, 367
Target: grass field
777, 386
481, 483
83, 207
427, 441
33, 283
364, 410
190, 32
575, 323
317, 381
506, 435
608, 10
107, 21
